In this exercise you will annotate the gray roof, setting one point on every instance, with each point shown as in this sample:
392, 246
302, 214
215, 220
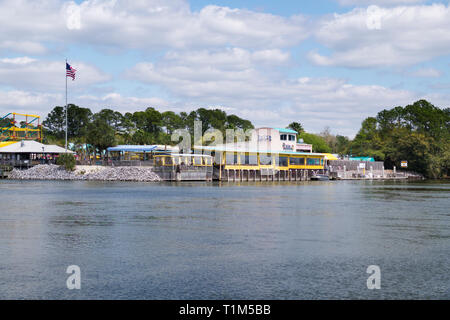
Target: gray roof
32, 147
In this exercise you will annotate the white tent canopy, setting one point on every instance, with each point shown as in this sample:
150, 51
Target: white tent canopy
32, 147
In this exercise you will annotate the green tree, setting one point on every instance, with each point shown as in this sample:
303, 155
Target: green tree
55, 122
342, 145
77, 122
100, 135
171, 121
296, 126
318, 143
113, 118
67, 161
418, 133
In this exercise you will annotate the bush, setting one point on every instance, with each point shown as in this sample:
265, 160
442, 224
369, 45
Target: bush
67, 161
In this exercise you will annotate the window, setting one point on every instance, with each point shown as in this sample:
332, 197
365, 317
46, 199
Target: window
283, 137
207, 161
283, 161
265, 160
291, 137
231, 158
249, 159
197, 161
168, 161
313, 162
297, 161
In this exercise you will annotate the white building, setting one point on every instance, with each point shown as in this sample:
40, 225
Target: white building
28, 152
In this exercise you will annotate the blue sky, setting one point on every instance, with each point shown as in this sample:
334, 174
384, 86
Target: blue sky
323, 63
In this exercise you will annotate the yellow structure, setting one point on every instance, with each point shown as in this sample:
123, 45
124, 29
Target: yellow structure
21, 127
171, 160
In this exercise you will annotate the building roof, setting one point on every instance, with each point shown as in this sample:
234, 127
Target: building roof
370, 159
7, 143
143, 148
28, 146
132, 148
284, 130
329, 156
247, 149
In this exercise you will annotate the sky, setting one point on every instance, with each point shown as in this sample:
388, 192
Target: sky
323, 63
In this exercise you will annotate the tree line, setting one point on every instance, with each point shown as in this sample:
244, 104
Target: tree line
108, 128
418, 133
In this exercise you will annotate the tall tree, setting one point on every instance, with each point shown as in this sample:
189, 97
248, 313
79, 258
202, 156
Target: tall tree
55, 122
101, 135
296, 126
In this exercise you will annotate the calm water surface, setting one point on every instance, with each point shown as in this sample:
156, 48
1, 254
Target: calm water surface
225, 241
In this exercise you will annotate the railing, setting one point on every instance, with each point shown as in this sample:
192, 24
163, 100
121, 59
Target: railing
24, 163
116, 163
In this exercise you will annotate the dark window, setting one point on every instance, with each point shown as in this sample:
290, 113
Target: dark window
283, 161
283, 137
297, 161
291, 137
313, 162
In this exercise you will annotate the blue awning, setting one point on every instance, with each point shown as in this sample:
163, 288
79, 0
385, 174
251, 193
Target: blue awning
284, 130
131, 148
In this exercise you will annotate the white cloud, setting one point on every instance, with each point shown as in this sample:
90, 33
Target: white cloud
26, 73
401, 36
42, 103
144, 24
27, 47
18, 60
121, 103
27, 102
267, 96
426, 73
378, 2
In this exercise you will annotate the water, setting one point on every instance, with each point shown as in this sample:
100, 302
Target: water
311, 240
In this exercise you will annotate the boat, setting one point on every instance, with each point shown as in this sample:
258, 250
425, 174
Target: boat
320, 177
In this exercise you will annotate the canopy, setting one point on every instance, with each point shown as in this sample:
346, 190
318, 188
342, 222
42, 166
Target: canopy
132, 148
362, 159
329, 156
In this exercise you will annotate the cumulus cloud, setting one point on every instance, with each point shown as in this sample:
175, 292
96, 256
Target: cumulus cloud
210, 78
237, 59
121, 103
144, 24
28, 102
42, 103
399, 36
26, 73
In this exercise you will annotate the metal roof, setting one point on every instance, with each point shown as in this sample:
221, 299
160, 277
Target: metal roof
31, 147
284, 130
132, 148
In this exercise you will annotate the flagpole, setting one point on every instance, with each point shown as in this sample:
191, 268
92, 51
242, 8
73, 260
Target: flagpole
66, 104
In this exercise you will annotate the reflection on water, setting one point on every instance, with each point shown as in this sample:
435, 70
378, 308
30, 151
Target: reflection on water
247, 240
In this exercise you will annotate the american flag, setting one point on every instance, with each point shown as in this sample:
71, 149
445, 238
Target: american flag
70, 72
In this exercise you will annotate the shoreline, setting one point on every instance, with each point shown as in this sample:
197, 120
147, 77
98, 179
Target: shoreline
53, 172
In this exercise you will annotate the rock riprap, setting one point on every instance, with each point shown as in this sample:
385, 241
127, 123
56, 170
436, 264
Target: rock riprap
54, 172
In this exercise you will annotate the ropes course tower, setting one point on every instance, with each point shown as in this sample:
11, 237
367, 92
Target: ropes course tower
17, 126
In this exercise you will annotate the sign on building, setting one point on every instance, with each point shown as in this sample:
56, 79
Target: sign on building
362, 165
404, 164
